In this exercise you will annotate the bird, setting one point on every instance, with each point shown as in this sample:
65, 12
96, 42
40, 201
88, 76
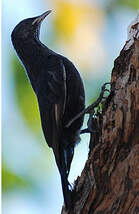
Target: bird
60, 94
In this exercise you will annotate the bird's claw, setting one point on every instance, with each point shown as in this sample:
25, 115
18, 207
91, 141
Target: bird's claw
90, 109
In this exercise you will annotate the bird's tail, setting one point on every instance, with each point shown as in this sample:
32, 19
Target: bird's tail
64, 172
66, 191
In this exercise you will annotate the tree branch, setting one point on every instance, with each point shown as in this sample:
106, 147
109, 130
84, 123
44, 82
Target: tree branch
109, 182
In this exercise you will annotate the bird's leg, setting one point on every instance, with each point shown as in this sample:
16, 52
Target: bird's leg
90, 109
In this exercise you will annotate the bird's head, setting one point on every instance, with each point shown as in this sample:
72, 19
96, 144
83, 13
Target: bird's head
28, 28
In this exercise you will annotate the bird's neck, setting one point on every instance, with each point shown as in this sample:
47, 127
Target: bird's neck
31, 54
30, 51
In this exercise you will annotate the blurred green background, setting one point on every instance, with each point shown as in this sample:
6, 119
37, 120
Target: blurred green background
90, 33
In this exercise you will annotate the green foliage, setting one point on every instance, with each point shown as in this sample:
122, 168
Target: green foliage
25, 96
134, 4
131, 4
11, 181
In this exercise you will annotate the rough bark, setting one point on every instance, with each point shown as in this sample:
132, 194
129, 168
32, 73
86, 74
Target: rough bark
109, 183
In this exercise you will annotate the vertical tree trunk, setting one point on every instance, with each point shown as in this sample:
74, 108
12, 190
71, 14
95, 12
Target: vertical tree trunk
109, 183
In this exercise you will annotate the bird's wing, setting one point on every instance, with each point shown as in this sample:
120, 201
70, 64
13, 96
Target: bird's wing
57, 86
52, 100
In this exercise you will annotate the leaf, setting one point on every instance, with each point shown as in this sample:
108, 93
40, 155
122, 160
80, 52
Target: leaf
10, 180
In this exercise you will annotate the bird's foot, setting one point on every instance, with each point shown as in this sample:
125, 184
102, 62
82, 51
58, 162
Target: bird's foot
92, 125
90, 109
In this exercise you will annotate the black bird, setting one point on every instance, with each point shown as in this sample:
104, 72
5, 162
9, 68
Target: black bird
59, 90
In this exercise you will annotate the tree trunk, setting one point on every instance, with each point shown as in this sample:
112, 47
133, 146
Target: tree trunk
109, 183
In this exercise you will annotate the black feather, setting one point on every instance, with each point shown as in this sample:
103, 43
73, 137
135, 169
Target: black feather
59, 90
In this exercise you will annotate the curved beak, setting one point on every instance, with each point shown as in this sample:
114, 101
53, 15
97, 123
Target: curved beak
40, 18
